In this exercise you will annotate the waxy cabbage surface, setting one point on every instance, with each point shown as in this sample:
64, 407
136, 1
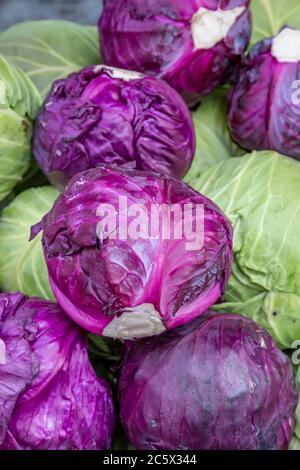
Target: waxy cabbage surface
127, 286
217, 383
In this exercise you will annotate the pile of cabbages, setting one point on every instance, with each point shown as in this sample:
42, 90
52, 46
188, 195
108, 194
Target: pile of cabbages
115, 341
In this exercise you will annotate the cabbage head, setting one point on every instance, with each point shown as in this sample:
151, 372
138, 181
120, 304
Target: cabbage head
192, 45
259, 193
19, 102
264, 101
50, 396
211, 384
124, 282
102, 115
22, 264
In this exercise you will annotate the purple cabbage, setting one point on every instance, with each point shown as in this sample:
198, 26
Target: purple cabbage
127, 287
265, 101
217, 383
191, 44
104, 115
50, 397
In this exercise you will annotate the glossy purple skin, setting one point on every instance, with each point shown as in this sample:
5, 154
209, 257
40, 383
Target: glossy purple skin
91, 118
262, 114
50, 396
154, 37
217, 383
95, 281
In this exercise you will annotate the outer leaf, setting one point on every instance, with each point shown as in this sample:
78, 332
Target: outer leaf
14, 150
213, 141
259, 195
22, 265
19, 102
17, 91
269, 16
47, 50
295, 444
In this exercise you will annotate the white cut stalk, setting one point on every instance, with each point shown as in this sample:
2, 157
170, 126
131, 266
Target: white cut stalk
136, 322
212, 26
286, 45
126, 75
2, 352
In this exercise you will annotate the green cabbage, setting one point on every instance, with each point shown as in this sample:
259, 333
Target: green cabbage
22, 265
260, 195
213, 141
269, 16
50, 49
19, 102
295, 444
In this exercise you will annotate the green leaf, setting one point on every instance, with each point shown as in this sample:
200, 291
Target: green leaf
22, 264
259, 194
295, 444
50, 49
15, 135
269, 16
19, 102
213, 141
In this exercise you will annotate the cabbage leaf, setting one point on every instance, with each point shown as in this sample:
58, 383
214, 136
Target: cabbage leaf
213, 141
19, 103
269, 16
22, 265
50, 49
259, 194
